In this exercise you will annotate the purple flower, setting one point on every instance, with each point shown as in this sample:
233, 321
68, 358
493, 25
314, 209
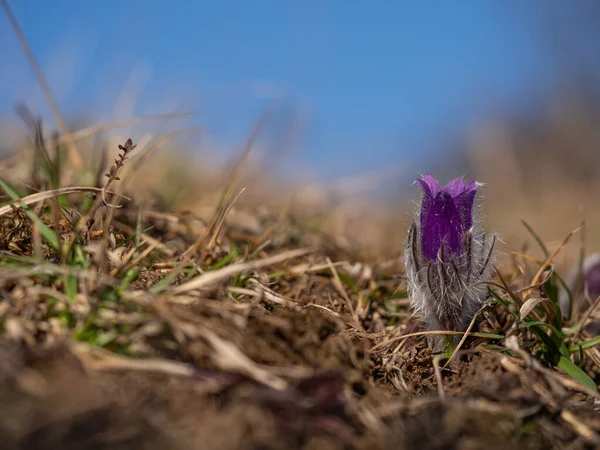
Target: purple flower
446, 215
590, 284
448, 256
592, 278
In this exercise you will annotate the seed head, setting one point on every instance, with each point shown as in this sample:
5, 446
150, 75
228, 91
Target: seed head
448, 255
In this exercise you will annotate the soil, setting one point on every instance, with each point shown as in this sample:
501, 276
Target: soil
289, 358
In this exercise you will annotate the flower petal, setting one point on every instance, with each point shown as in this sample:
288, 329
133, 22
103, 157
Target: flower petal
592, 279
430, 185
431, 188
464, 204
442, 222
454, 187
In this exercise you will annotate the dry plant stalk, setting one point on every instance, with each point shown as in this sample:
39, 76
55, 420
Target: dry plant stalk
112, 175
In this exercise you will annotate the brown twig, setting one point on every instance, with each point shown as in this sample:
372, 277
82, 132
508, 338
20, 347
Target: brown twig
112, 175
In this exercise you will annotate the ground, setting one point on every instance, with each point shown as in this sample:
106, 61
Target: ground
148, 328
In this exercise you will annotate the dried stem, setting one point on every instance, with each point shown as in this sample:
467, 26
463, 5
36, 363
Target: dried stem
112, 175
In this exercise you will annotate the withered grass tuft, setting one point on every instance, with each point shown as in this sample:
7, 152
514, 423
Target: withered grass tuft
128, 325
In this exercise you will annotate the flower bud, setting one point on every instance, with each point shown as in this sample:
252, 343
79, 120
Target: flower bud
448, 256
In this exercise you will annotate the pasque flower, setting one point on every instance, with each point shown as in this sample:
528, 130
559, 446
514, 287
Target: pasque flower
583, 280
448, 255
591, 278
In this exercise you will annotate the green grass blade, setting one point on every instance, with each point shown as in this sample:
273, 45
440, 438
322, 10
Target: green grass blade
585, 345
568, 292
576, 373
71, 283
166, 282
555, 343
499, 337
223, 261
129, 277
557, 337
537, 238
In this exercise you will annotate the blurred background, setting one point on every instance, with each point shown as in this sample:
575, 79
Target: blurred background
354, 100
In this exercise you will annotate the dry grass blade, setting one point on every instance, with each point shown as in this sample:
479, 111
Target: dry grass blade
438, 377
340, 288
464, 338
515, 298
587, 433
143, 255
273, 296
393, 340
229, 186
324, 308
586, 316
529, 306
552, 256
101, 360
549, 310
41, 196
209, 278
147, 239
219, 225
53, 269
230, 358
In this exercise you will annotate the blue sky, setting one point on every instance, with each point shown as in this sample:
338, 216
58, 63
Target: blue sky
377, 83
